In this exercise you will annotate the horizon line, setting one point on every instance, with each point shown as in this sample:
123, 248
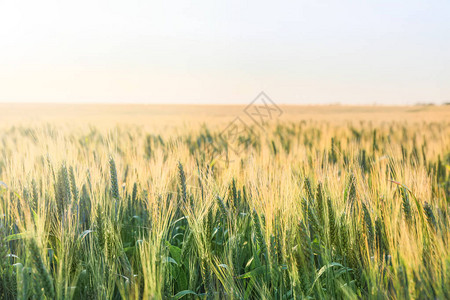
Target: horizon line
444, 103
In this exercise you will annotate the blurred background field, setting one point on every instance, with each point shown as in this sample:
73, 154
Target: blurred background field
167, 115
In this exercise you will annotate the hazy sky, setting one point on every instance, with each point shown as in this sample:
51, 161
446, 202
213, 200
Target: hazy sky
365, 52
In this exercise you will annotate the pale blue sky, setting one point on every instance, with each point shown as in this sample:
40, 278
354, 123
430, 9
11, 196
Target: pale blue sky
305, 52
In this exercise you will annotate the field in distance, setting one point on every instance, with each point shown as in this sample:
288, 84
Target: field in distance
149, 115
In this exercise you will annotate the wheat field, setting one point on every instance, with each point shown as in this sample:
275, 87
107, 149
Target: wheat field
151, 202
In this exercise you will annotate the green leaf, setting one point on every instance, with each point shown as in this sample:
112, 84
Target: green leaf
18, 236
175, 253
169, 259
180, 219
183, 293
129, 249
182, 279
84, 234
177, 235
253, 273
323, 269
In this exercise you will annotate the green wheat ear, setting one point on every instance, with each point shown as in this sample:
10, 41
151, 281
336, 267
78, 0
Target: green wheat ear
62, 192
307, 267
308, 190
85, 207
320, 204
406, 205
314, 227
35, 195
233, 189
332, 156
259, 234
351, 191
403, 278
3, 246
304, 205
207, 279
380, 236
222, 208
368, 226
100, 227
331, 222
182, 178
209, 226
233, 197
374, 141
114, 181
73, 185
344, 236
44, 276
134, 193
431, 219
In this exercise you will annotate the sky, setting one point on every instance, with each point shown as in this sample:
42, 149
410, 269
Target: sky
207, 52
